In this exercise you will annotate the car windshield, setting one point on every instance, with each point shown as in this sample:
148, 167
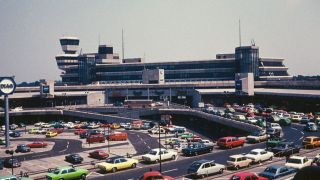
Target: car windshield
281, 145
56, 171
307, 140
253, 152
195, 165
294, 161
271, 170
153, 152
235, 178
232, 159
110, 160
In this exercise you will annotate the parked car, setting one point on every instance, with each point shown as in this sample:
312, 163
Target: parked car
117, 163
51, 134
58, 130
310, 127
188, 135
207, 142
196, 148
12, 177
274, 141
204, 168
15, 134
37, 144
295, 118
230, 142
304, 120
98, 154
11, 163
22, 148
259, 155
285, 122
285, 149
275, 171
155, 175
79, 131
273, 118
274, 132
84, 135
13, 126
118, 136
238, 161
96, 138
67, 173
246, 176
239, 117
257, 136
73, 158
2, 141
298, 162
33, 130
154, 155
311, 142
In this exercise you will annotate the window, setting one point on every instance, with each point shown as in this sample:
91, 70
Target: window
263, 152
117, 161
71, 170
283, 170
207, 165
247, 178
64, 172
305, 160
123, 160
212, 164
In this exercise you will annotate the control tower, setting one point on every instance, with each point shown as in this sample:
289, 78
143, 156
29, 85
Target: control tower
69, 44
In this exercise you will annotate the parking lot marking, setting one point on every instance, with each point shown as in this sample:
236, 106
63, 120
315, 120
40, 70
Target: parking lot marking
170, 170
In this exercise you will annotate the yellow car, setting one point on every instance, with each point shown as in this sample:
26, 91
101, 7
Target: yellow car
311, 141
51, 134
117, 163
33, 131
115, 126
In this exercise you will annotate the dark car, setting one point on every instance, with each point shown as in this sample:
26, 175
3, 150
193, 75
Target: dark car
285, 122
196, 148
273, 142
285, 149
84, 135
273, 132
311, 127
1, 164
74, 158
275, 171
21, 125
22, 148
273, 118
15, 134
11, 162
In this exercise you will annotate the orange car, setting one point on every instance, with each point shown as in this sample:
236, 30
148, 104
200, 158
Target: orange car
311, 141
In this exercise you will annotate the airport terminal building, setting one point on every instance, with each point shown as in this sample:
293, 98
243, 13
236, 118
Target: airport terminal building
106, 67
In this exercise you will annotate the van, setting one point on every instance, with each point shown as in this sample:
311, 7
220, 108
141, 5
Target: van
118, 136
96, 138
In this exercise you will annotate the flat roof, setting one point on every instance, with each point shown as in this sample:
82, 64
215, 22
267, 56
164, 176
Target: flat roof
266, 91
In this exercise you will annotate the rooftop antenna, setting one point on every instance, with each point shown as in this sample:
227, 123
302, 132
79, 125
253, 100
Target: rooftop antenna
239, 33
252, 42
99, 39
122, 45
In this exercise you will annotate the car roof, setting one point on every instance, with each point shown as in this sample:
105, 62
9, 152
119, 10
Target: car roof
311, 137
115, 157
204, 161
237, 156
297, 157
243, 174
257, 150
276, 166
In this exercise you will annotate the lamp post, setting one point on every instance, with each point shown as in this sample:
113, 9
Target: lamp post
159, 149
11, 152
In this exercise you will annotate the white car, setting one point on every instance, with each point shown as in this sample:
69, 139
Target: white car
45, 125
259, 155
156, 130
159, 104
16, 109
205, 167
93, 126
275, 126
258, 136
38, 124
154, 155
298, 162
207, 142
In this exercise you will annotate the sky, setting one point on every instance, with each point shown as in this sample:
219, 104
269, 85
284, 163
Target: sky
159, 30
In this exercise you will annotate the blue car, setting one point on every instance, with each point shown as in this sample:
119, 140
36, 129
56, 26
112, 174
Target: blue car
275, 171
15, 134
311, 127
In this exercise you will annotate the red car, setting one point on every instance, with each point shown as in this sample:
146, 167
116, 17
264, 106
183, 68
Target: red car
250, 114
105, 125
194, 139
230, 142
79, 131
154, 175
96, 138
37, 144
246, 175
98, 154
78, 126
58, 130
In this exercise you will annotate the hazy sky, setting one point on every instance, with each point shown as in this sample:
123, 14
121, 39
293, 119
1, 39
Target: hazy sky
159, 30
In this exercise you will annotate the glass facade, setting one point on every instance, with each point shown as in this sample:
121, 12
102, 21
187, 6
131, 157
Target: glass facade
247, 60
86, 69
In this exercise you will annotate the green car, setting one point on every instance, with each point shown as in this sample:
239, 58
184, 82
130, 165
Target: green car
261, 123
66, 173
285, 122
2, 142
273, 142
11, 177
186, 135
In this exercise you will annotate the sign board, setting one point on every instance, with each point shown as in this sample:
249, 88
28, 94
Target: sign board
239, 85
45, 89
7, 85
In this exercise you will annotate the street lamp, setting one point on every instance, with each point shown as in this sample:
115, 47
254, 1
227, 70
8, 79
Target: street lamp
159, 148
11, 152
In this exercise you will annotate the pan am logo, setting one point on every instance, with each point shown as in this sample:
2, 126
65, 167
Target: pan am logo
7, 86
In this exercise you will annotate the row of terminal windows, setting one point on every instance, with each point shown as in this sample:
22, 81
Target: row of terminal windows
60, 58
270, 63
199, 65
273, 73
69, 42
67, 61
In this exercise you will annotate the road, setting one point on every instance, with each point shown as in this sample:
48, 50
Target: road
178, 168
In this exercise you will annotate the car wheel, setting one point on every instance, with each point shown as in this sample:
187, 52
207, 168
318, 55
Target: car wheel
259, 162
61, 179
249, 164
220, 171
237, 167
196, 153
114, 170
134, 165
83, 176
173, 157
270, 159
156, 161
